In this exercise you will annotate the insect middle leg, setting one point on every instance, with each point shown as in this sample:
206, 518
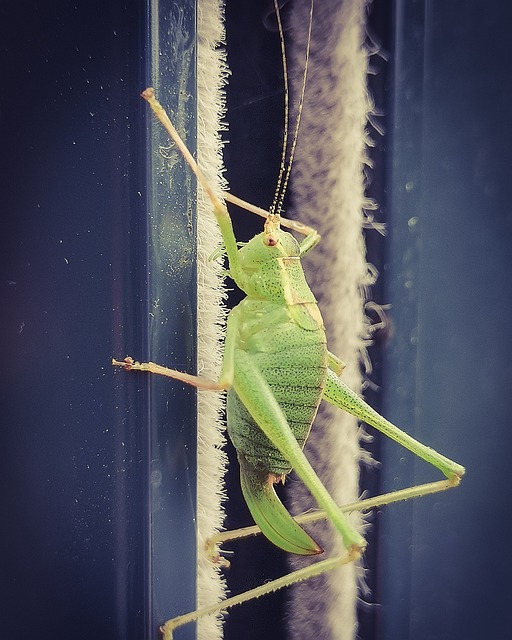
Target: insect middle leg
224, 382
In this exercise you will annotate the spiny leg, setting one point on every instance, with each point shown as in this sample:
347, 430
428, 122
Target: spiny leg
291, 578
314, 516
219, 208
337, 393
302, 574
259, 403
226, 379
129, 364
312, 570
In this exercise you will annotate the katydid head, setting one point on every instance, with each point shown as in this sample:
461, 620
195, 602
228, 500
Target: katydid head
271, 230
272, 244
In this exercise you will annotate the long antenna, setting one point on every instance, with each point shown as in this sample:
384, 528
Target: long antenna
282, 168
285, 171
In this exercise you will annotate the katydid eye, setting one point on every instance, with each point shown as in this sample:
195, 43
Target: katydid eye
271, 241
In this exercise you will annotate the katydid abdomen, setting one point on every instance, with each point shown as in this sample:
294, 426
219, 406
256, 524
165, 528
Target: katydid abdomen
279, 376
293, 362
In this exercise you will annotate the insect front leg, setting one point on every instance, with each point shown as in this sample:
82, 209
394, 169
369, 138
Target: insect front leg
220, 210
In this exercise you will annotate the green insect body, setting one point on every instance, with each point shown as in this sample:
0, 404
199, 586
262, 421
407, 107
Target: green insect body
280, 330
277, 352
276, 370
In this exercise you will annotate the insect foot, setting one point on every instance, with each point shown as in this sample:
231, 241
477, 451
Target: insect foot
213, 554
456, 479
355, 552
127, 363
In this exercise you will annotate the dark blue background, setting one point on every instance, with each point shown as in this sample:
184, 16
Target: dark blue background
445, 562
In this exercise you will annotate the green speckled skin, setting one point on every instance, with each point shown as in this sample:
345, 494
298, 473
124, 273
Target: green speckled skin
280, 328
293, 361
276, 364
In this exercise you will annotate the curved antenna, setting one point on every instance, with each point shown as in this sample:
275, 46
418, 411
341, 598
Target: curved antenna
299, 112
284, 171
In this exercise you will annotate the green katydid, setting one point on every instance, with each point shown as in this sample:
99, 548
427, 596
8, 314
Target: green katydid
276, 370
